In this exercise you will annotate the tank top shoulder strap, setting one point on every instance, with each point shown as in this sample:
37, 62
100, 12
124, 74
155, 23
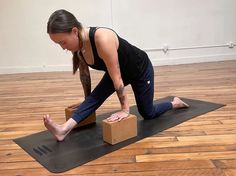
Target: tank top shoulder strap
92, 40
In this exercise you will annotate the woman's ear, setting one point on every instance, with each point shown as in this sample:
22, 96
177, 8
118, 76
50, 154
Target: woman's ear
75, 31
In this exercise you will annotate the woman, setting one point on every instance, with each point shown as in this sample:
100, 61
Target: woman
123, 63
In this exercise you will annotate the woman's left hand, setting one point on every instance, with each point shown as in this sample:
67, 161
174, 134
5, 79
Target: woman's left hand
118, 116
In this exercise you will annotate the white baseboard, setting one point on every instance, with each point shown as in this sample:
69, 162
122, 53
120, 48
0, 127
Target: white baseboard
32, 69
193, 59
155, 61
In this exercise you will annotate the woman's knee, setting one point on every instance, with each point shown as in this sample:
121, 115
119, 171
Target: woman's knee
146, 114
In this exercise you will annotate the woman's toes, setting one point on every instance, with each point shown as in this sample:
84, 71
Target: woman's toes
178, 103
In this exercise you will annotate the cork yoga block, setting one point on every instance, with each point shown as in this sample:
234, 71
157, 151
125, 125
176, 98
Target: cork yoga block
90, 119
115, 132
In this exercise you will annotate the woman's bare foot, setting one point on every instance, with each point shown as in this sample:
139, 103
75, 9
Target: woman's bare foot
59, 131
178, 103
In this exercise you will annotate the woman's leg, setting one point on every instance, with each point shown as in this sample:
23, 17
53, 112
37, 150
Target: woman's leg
144, 91
102, 91
92, 102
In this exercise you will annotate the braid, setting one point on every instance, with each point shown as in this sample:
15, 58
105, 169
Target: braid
76, 62
76, 58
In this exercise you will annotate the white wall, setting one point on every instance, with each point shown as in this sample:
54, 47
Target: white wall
208, 25
180, 25
25, 45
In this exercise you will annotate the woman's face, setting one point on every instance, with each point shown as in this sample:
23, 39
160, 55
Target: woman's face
68, 41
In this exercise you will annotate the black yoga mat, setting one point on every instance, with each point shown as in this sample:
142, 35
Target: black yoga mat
86, 144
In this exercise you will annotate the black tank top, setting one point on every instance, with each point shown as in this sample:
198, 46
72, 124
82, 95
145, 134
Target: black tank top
132, 60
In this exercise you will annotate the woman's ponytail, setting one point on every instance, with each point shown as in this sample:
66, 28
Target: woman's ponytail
75, 60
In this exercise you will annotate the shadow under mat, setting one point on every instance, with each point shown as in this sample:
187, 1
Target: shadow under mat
86, 143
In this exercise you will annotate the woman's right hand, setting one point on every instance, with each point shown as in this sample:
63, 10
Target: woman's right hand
118, 116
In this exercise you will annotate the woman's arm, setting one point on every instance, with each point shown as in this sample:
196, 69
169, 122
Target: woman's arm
107, 44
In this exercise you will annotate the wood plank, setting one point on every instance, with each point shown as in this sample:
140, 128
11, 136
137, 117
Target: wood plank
225, 164
203, 127
14, 156
190, 149
229, 139
177, 133
186, 156
140, 167
230, 172
189, 172
8, 145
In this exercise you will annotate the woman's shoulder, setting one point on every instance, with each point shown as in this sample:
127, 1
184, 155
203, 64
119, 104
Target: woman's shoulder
104, 32
105, 35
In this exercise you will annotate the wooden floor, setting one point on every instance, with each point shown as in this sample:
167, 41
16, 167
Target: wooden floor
203, 146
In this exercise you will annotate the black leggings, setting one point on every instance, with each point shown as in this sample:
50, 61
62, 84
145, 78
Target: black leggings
143, 89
